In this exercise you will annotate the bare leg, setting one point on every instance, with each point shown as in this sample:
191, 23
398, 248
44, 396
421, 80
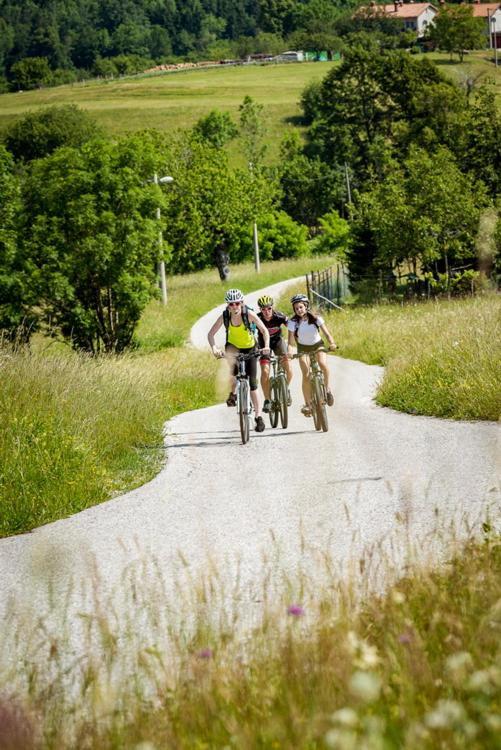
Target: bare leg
256, 402
322, 361
265, 379
303, 363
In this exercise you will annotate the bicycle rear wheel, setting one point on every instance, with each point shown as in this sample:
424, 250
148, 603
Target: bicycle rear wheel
243, 410
274, 403
321, 408
284, 409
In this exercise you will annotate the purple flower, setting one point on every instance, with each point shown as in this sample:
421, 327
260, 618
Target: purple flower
405, 638
205, 653
295, 609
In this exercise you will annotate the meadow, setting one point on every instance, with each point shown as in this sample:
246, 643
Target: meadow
418, 666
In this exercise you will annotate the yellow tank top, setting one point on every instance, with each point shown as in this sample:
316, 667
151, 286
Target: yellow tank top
240, 336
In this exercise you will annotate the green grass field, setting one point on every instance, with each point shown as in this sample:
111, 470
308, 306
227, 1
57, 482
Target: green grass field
177, 100
167, 101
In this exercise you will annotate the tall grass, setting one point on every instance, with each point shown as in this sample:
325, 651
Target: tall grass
442, 358
77, 430
417, 667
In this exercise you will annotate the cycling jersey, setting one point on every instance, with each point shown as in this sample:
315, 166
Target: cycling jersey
306, 333
274, 326
240, 336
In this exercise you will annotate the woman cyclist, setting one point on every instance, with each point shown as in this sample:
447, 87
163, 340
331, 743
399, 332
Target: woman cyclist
273, 320
304, 331
238, 321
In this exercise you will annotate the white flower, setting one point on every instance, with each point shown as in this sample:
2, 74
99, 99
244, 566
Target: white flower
341, 739
493, 721
458, 665
366, 686
145, 746
446, 714
345, 716
398, 597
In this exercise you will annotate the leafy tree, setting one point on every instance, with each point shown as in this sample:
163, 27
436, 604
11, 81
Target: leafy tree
210, 204
92, 237
335, 236
482, 142
311, 98
39, 133
426, 212
279, 237
16, 320
217, 128
456, 30
252, 130
310, 187
30, 72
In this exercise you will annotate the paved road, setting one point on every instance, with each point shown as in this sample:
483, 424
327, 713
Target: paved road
288, 501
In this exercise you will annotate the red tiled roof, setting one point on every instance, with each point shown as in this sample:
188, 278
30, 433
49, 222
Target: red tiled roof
483, 10
407, 10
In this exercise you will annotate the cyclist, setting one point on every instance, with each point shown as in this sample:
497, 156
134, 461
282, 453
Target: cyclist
273, 320
304, 331
239, 321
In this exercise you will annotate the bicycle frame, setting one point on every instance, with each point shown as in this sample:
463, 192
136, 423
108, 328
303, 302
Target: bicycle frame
244, 403
318, 391
278, 393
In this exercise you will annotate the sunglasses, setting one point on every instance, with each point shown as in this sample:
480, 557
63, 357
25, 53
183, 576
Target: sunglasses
234, 303
267, 307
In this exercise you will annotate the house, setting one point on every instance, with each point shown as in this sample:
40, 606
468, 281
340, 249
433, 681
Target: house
290, 56
415, 16
491, 12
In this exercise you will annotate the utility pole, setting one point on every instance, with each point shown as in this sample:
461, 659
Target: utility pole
348, 187
161, 262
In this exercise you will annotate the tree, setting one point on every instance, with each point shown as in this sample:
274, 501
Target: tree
482, 143
217, 128
209, 205
30, 73
16, 318
335, 237
456, 30
91, 233
252, 130
39, 133
279, 237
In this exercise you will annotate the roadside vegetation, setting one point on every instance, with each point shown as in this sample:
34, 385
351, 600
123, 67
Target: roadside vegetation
419, 666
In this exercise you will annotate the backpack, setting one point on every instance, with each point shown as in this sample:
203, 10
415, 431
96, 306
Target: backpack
250, 325
311, 320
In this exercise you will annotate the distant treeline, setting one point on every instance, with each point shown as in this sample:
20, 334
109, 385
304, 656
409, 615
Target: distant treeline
47, 42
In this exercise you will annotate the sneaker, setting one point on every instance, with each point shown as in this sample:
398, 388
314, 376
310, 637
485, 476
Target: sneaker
259, 424
231, 400
330, 398
266, 405
289, 397
306, 411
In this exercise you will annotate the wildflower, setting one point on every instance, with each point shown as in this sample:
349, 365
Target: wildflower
405, 637
366, 686
295, 610
493, 721
145, 746
346, 716
458, 665
398, 597
485, 680
205, 653
446, 714
341, 739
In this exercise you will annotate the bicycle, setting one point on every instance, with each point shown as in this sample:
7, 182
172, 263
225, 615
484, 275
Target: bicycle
244, 403
279, 394
318, 391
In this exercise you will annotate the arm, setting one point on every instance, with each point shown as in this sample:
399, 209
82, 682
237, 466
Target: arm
210, 337
261, 328
291, 342
328, 336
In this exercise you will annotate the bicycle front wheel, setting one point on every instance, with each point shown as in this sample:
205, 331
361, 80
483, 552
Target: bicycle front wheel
243, 410
284, 409
274, 403
321, 408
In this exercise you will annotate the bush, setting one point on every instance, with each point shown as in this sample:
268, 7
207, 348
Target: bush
279, 237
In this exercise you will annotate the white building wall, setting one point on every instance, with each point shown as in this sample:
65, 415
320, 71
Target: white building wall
424, 20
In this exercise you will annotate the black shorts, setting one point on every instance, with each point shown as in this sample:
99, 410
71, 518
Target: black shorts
250, 365
278, 347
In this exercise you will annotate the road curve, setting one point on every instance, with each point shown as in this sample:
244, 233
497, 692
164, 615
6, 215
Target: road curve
292, 498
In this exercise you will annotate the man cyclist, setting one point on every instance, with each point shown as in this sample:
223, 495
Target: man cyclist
273, 320
238, 321
304, 331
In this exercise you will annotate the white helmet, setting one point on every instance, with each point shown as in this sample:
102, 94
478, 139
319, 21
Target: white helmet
300, 298
233, 295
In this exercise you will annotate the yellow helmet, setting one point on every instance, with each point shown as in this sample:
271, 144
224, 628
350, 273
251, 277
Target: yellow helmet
265, 301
